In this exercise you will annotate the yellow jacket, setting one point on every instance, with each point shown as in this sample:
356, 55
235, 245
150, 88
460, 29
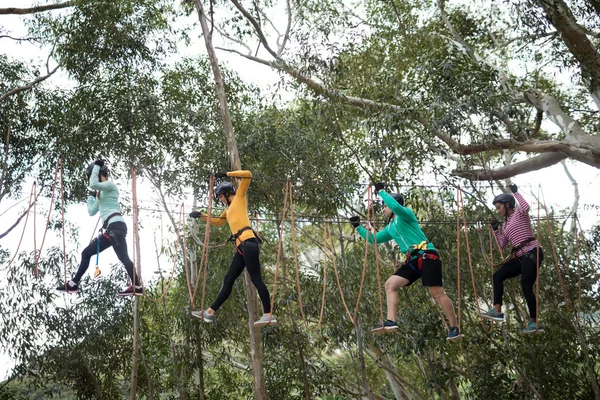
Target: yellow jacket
236, 214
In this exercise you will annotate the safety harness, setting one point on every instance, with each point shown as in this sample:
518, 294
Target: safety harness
234, 237
425, 255
515, 249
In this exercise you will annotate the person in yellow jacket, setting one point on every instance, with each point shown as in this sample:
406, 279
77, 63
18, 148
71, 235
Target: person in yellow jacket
247, 250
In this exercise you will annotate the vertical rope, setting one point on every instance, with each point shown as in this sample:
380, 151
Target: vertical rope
458, 255
464, 218
35, 271
537, 266
23, 232
280, 244
555, 255
62, 207
578, 268
204, 260
38, 255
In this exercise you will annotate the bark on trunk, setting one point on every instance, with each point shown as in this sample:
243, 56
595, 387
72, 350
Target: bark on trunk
361, 358
576, 40
260, 392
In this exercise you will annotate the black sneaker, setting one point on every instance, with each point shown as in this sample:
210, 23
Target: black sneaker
68, 287
132, 290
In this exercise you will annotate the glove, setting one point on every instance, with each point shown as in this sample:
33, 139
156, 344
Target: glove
220, 175
99, 163
355, 221
379, 186
513, 188
195, 214
495, 224
92, 193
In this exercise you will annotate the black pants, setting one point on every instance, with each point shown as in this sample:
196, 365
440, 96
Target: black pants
247, 255
526, 266
117, 231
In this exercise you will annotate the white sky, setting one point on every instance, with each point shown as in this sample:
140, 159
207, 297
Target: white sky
556, 186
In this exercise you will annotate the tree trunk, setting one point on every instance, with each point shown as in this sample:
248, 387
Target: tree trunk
389, 369
361, 358
260, 392
305, 382
136, 336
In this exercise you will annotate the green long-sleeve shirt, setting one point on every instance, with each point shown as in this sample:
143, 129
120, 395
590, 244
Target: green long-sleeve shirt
403, 228
108, 203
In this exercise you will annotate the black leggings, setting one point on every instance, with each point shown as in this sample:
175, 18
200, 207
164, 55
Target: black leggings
248, 258
117, 231
525, 266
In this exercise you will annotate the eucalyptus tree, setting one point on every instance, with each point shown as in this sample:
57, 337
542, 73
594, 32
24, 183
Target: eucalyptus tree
442, 76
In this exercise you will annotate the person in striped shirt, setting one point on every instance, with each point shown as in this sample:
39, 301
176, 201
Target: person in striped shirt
527, 255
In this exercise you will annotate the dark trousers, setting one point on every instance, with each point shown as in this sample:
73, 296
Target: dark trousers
526, 266
117, 231
247, 256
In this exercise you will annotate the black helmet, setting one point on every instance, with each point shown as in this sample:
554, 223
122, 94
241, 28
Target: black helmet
398, 197
103, 170
505, 198
225, 189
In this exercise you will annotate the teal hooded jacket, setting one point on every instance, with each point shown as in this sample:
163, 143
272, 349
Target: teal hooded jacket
403, 228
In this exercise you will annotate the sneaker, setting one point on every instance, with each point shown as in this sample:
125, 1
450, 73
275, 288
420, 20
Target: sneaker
386, 326
454, 333
132, 290
204, 315
68, 287
266, 319
531, 328
493, 315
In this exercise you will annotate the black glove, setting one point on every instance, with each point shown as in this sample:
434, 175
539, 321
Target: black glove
92, 193
495, 224
379, 186
220, 175
355, 221
513, 188
195, 214
99, 163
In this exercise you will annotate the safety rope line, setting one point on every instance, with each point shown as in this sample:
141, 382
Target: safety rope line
587, 247
31, 196
537, 265
371, 211
62, 208
462, 208
35, 270
137, 267
203, 267
578, 268
458, 318
554, 253
280, 247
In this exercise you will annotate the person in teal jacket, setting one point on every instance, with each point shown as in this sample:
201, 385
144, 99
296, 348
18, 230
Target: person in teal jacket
422, 259
104, 199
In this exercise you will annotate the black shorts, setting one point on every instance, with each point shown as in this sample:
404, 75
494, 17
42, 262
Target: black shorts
430, 273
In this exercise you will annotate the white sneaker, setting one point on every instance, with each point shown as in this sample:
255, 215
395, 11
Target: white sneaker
266, 319
204, 315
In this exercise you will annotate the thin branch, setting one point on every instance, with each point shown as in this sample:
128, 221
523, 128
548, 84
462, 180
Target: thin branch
5, 160
286, 35
27, 39
257, 28
37, 9
29, 85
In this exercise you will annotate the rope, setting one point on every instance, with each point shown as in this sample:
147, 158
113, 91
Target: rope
469, 255
279, 249
458, 258
62, 207
22, 233
537, 266
203, 268
35, 271
555, 255
371, 210
578, 268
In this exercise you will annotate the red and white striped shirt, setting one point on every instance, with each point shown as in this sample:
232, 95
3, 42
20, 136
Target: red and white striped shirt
517, 228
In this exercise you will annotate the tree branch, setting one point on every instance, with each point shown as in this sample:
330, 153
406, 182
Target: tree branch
29, 85
37, 9
521, 167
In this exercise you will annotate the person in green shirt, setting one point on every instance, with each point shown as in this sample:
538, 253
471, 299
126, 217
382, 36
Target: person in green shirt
422, 259
104, 198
